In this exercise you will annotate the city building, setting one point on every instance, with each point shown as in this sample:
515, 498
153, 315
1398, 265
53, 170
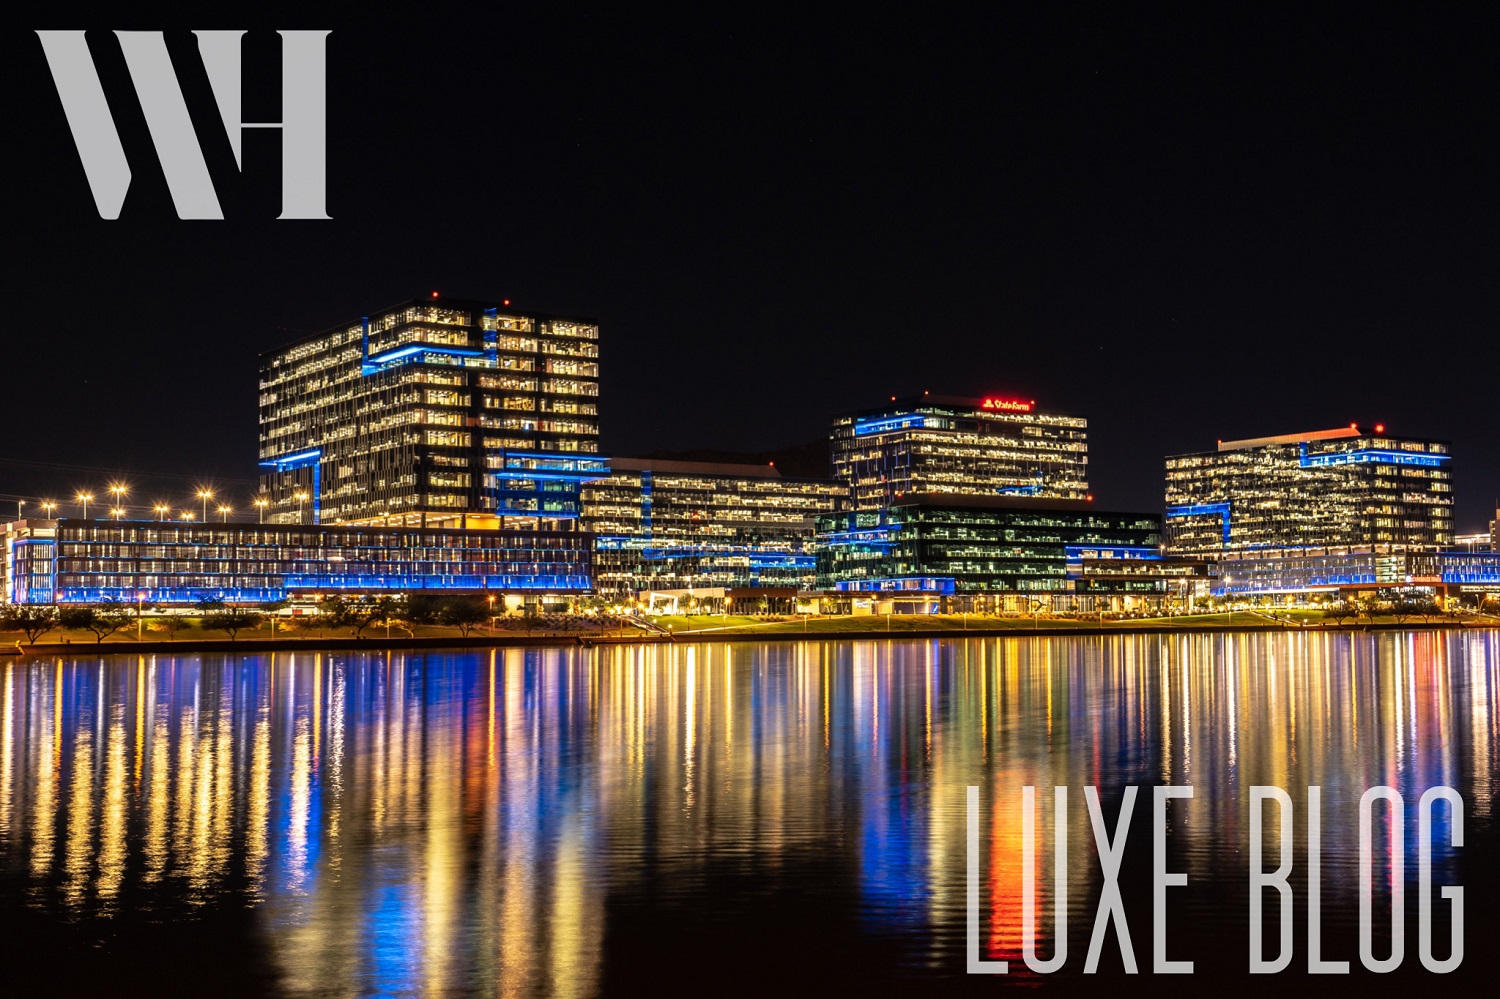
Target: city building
92, 561
1495, 531
1343, 488
1011, 549
961, 447
668, 527
1318, 574
432, 413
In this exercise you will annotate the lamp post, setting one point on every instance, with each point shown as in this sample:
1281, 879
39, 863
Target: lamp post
119, 491
223, 513
19, 504
187, 516
260, 505
117, 512
492, 615
162, 511
205, 495
140, 600
49, 506
84, 499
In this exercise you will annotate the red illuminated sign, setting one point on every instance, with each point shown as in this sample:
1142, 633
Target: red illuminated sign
1009, 405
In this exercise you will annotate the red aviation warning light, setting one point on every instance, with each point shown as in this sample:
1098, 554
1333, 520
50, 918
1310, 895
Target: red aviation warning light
1008, 405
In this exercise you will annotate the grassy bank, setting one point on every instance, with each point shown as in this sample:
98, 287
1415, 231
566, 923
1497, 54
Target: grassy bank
697, 628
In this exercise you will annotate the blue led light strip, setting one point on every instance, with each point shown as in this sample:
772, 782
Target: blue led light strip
1371, 456
865, 427
1200, 509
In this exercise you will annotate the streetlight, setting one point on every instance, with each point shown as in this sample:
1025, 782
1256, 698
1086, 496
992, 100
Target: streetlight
261, 505
119, 490
117, 512
492, 615
49, 506
140, 600
162, 511
205, 495
187, 515
84, 499
299, 496
223, 513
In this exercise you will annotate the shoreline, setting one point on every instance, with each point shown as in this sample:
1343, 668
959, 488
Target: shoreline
252, 646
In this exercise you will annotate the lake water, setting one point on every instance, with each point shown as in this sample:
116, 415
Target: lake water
702, 820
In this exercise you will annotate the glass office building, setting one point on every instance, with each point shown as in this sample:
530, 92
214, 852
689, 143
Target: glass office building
92, 561
1343, 488
679, 525
997, 544
432, 413
961, 447
1320, 572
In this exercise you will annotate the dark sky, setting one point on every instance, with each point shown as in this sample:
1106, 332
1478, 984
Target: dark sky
1180, 223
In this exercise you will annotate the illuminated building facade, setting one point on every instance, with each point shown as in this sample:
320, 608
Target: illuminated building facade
998, 544
961, 447
432, 413
92, 561
1341, 488
678, 525
1323, 572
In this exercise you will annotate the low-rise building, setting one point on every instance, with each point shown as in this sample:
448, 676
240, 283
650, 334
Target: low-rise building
670, 527
92, 561
1011, 550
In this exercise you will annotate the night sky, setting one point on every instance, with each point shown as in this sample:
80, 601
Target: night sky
1180, 224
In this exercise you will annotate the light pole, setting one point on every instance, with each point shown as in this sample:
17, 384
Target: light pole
84, 499
187, 516
117, 512
119, 491
19, 504
223, 513
49, 506
140, 600
492, 615
162, 511
205, 495
260, 505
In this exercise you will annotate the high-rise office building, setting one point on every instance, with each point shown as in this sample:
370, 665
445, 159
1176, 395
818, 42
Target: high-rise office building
435, 412
1346, 488
666, 525
967, 447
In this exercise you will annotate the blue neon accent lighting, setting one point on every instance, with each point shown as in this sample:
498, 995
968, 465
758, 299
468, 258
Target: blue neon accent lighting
756, 559
1136, 552
1199, 509
24, 558
941, 585
1371, 456
422, 348
299, 460
875, 537
312, 458
886, 424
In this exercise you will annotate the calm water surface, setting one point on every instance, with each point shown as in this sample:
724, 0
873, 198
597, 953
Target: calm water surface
706, 819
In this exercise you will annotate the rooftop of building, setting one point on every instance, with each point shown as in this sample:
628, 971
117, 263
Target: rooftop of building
991, 403
1351, 432
434, 298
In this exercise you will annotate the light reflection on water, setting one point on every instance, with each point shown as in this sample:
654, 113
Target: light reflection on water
516, 822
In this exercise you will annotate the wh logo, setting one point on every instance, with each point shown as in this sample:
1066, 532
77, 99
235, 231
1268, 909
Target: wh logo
303, 117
